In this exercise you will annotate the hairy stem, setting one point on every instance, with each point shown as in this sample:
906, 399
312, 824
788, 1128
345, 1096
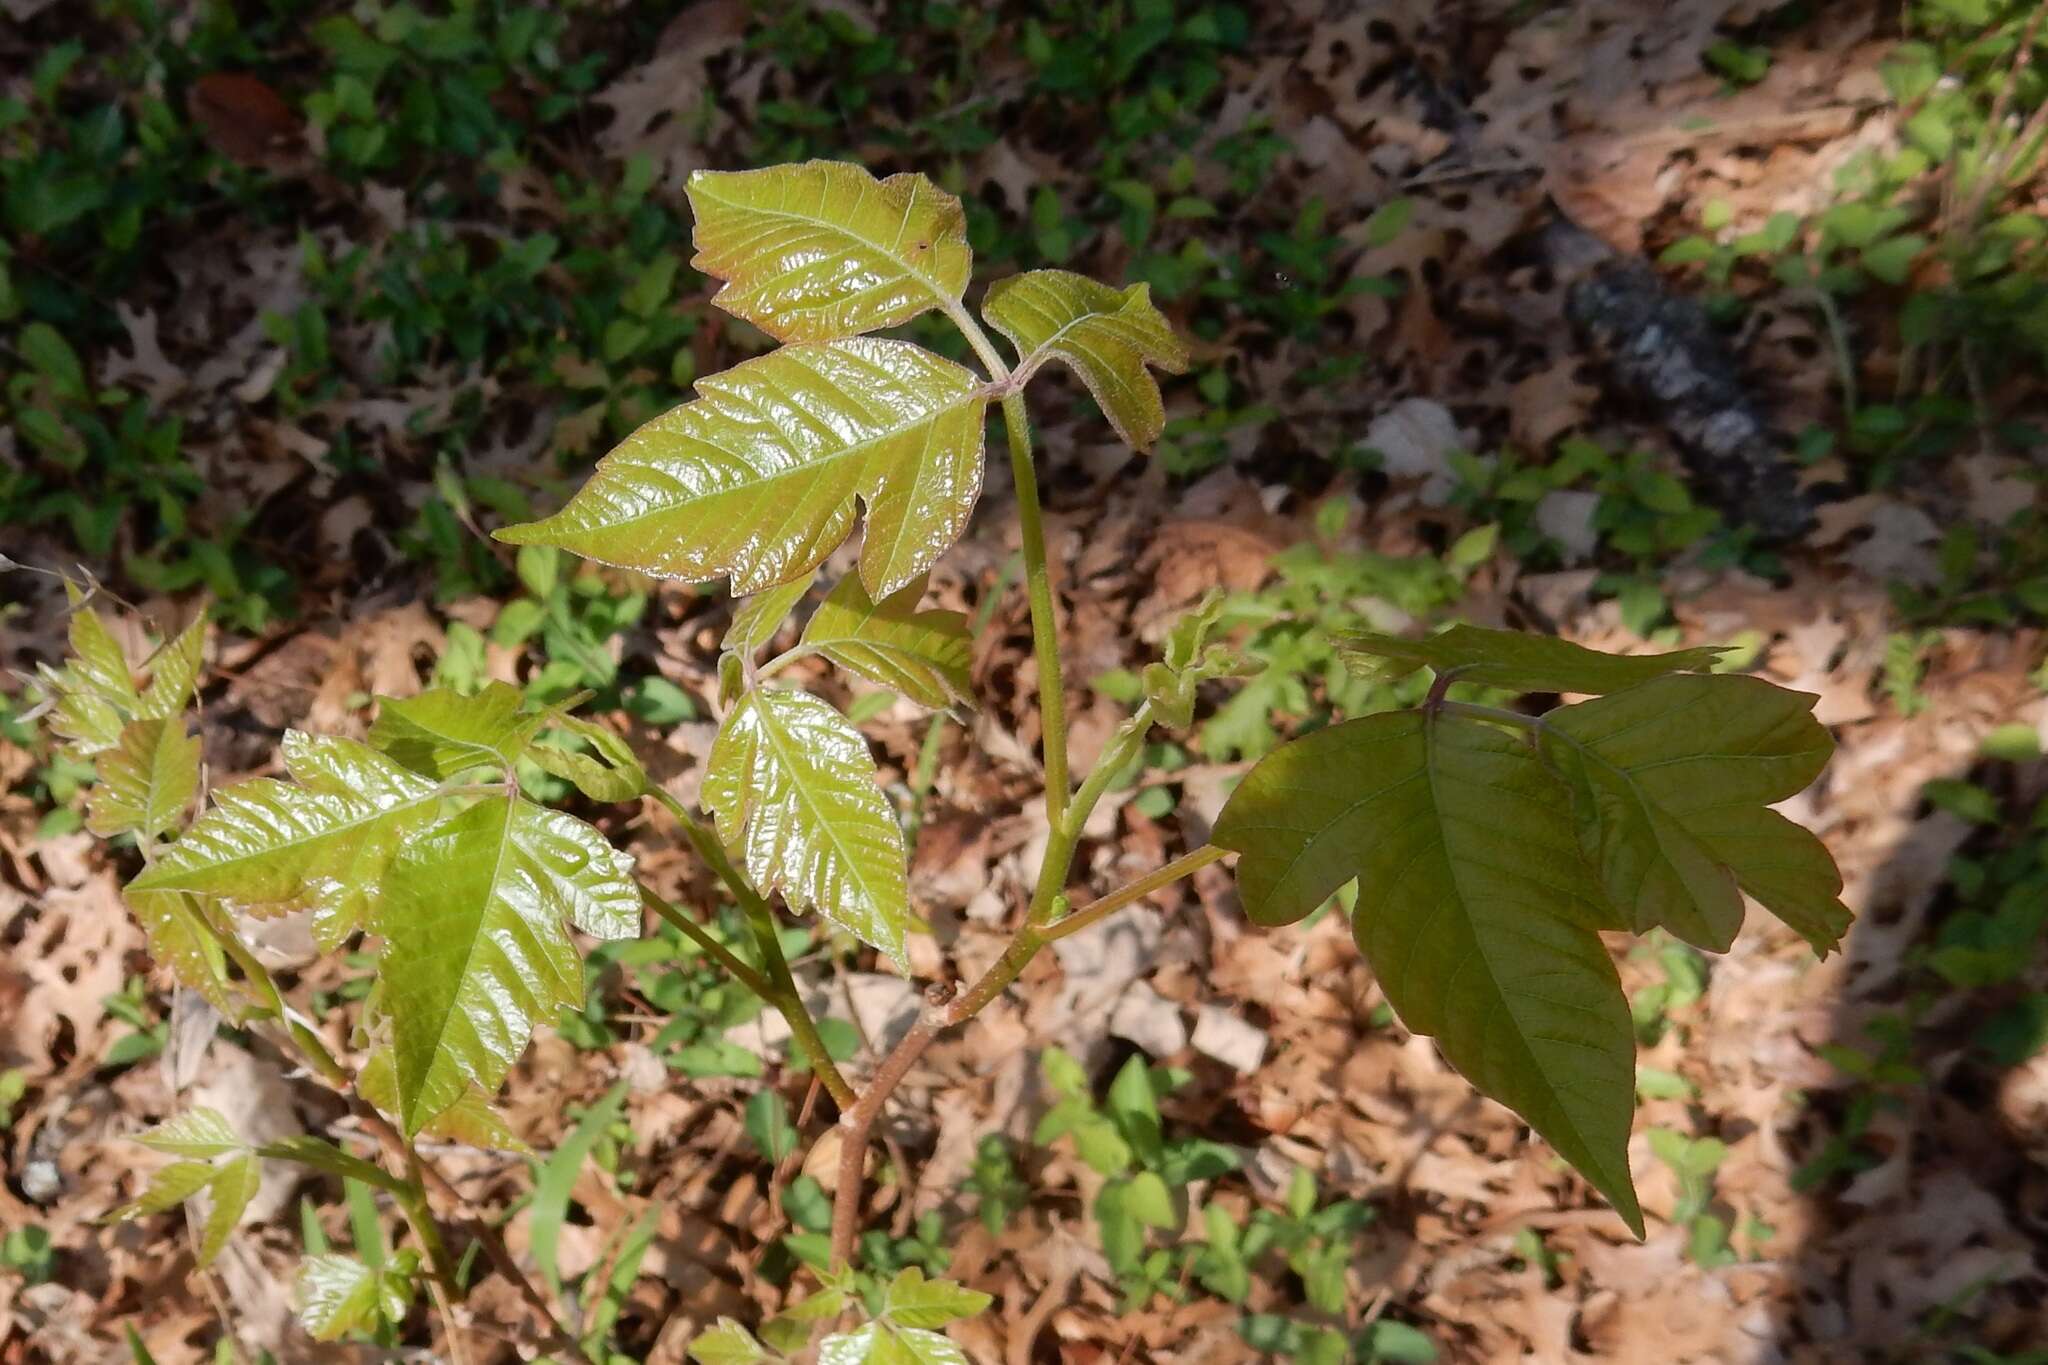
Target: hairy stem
781, 989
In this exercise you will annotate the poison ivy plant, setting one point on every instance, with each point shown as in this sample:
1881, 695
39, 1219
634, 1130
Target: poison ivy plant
1490, 848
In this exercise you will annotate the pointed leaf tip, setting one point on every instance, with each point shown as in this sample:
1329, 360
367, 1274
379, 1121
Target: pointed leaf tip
1107, 335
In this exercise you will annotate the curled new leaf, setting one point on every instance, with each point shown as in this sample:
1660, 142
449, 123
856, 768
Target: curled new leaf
823, 250
609, 772
792, 784
475, 919
1191, 659
757, 478
1108, 335
922, 654
1475, 907
337, 1295
1512, 659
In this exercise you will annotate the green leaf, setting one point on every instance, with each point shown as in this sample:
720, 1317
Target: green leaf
95, 691
174, 674
1475, 907
793, 785
180, 940
168, 1188
145, 781
727, 1343
324, 842
324, 1156
442, 733
756, 479
914, 1301
1108, 335
233, 1186
614, 775
823, 250
922, 654
1514, 659
196, 1132
1190, 660
881, 1344
470, 1120
337, 1295
758, 618
767, 1123
476, 944
1670, 781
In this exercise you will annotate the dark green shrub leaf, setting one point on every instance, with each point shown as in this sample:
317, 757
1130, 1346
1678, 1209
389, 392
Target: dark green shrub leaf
1512, 659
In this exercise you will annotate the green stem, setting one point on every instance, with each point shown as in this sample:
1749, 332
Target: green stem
696, 933
782, 992
1065, 839
1471, 711
425, 1230
1185, 865
1045, 637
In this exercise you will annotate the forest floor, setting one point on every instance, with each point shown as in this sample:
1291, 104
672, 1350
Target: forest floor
338, 291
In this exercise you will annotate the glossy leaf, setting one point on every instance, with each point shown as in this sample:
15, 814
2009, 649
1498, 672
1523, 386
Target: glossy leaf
146, 781
337, 1295
823, 250
442, 733
180, 941
234, 1184
477, 946
1513, 659
470, 1121
880, 1343
1475, 906
758, 617
198, 1132
922, 654
757, 478
727, 1343
914, 1301
1108, 335
323, 842
174, 674
95, 692
1669, 782
792, 785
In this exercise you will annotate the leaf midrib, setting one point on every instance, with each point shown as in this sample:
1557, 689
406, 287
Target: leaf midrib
166, 878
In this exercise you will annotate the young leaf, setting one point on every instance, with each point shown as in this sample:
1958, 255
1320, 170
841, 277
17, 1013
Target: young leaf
470, 1120
477, 948
792, 784
196, 1132
756, 479
1475, 907
922, 654
168, 1188
146, 781
180, 940
1669, 781
914, 1301
1107, 335
823, 250
337, 1295
761, 615
727, 1343
613, 775
442, 733
174, 674
324, 842
324, 1156
233, 1186
95, 693
1512, 659
1190, 660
